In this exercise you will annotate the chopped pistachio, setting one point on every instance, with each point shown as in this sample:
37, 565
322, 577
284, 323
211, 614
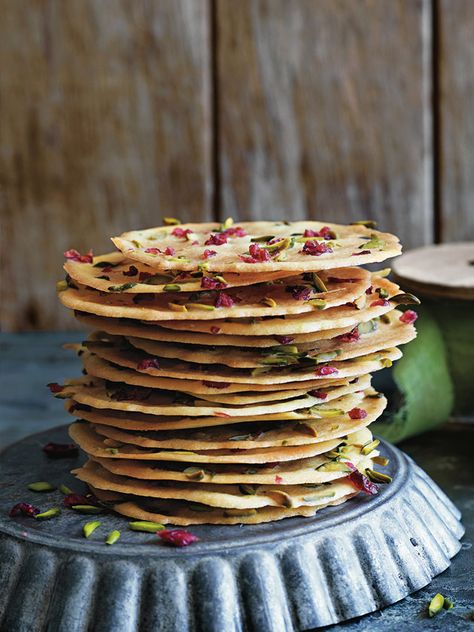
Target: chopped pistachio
318, 282
89, 528
248, 490
201, 306
111, 450
382, 292
382, 273
367, 327
334, 466
61, 286
136, 243
436, 605
112, 537
121, 288
377, 477
369, 447
64, 489
327, 356
386, 363
203, 266
227, 223
385, 318
176, 307
374, 242
267, 300
368, 223
172, 287
194, 473
317, 496
171, 221
41, 486
50, 513
260, 370
146, 526
319, 303
381, 460
405, 299
262, 238
87, 509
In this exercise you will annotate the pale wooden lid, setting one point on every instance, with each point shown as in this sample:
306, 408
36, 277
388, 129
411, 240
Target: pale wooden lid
443, 270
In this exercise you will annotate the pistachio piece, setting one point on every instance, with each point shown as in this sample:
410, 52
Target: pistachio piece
374, 242
377, 477
263, 238
318, 496
87, 509
112, 537
319, 303
61, 286
382, 274
368, 326
146, 526
369, 447
201, 306
41, 486
248, 490
267, 300
171, 221
381, 460
334, 466
368, 223
172, 287
50, 513
176, 307
64, 489
436, 605
327, 356
194, 473
121, 288
89, 528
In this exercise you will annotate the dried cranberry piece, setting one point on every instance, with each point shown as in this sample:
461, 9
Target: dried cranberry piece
215, 330
223, 300
132, 271
299, 292
256, 254
315, 248
153, 251
278, 480
177, 537
357, 413
369, 290
216, 240
23, 509
325, 233
318, 394
284, 340
60, 450
169, 251
326, 370
350, 336
181, 232
360, 481
148, 363
208, 283
211, 384
235, 231
74, 255
207, 254
362, 252
380, 302
408, 317
54, 387
70, 500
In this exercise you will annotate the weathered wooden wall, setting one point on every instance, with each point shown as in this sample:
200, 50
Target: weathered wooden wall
114, 113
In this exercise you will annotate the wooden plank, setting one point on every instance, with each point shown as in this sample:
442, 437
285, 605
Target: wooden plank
324, 111
105, 126
456, 119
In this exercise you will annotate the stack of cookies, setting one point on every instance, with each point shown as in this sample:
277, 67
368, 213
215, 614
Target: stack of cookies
227, 378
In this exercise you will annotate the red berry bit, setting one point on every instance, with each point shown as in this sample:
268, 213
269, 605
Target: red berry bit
23, 509
284, 340
208, 283
315, 248
181, 232
60, 450
218, 239
148, 363
326, 370
207, 254
177, 537
408, 317
71, 500
278, 480
299, 292
210, 384
257, 254
318, 394
74, 255
351, 336
325, 233
132, 271
54, 387
380, 302
215, 330
170, 252
360, 481
234, 231
357, 413
223, 300
153, 251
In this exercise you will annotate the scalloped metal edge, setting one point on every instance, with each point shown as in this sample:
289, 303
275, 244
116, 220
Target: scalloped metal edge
331, 569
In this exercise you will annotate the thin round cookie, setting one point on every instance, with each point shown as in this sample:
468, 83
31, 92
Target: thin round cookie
258, 246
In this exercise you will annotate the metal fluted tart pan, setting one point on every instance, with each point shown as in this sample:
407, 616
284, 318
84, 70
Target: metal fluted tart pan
295, 574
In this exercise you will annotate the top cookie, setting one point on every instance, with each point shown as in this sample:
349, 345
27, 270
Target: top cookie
257, 246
